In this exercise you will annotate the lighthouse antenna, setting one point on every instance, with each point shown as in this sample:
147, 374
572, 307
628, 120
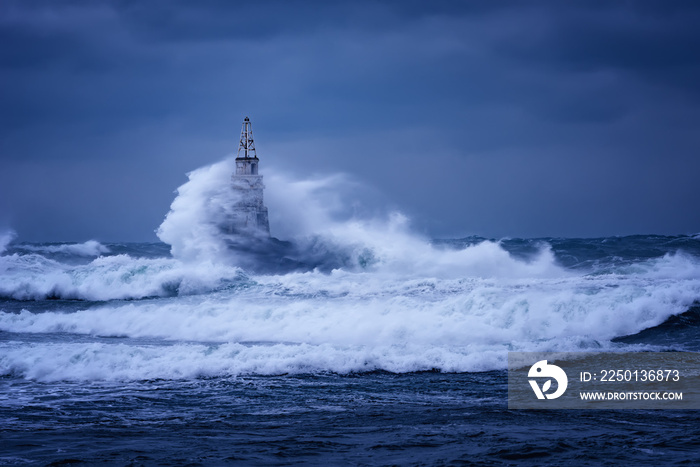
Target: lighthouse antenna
246, 143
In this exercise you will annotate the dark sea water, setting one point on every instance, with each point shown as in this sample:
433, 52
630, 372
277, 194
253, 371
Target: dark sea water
122, 354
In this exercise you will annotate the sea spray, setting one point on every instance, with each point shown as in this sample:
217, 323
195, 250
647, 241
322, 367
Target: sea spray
88, 248
344, 321
193, 226
359, 293
313, 216
116, 277
6, 238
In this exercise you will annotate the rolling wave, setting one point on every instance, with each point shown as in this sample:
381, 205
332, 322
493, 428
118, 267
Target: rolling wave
341, 294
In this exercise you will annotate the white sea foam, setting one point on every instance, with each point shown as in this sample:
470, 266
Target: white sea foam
34, 277
51, 362
5, 239
345, 321
116, 277
363, 309
89, 248
193, 226
409, 306
312, 214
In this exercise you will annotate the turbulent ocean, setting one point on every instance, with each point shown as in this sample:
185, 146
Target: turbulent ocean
357, 342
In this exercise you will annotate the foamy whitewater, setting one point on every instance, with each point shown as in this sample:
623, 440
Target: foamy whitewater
376, 297
348, 339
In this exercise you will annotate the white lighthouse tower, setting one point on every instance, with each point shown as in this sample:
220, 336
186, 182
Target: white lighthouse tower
249, 214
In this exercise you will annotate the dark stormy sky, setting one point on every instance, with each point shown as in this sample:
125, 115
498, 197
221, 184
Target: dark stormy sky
497, 118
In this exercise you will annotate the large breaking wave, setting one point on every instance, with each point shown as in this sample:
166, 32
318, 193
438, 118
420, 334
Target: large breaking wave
374, 296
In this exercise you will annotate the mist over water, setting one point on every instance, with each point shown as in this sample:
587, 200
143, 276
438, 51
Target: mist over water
338, 292
193, 227
315, 217
5, 239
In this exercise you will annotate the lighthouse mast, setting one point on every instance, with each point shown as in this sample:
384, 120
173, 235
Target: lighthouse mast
246, 143
249, 214
248, 164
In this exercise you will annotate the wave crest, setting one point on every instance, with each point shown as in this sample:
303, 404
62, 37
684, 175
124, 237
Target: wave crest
118, 277
322, 228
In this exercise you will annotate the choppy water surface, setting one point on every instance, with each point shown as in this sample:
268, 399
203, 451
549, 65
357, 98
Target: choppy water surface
356, 341
122, 353
371, 418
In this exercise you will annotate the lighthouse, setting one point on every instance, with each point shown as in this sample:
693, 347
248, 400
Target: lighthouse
249, 214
